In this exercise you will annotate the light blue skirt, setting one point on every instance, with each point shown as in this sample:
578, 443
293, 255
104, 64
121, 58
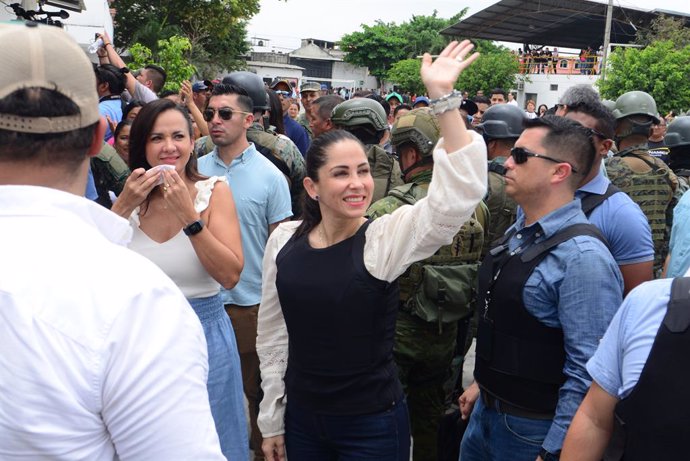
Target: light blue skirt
224, 377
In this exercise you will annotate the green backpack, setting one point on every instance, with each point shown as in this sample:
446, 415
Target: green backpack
442, 287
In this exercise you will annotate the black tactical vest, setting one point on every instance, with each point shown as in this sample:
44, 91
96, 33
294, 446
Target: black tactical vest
341, 327
653, 422
519, 359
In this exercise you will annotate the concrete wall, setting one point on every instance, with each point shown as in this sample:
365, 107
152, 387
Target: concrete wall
81, 26
346, 72
548, 88
271, 73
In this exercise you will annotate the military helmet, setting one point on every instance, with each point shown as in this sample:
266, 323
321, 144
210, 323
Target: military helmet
678, 133
635, 103
610, 105
360, 112
253, 85
503, 121
420, 127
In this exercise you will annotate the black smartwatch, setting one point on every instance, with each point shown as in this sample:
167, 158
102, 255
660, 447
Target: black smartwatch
194, 228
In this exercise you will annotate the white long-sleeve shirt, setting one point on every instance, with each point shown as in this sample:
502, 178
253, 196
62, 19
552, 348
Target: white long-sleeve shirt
100, 353
393, 243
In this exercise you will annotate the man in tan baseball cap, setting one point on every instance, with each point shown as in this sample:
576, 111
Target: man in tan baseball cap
88, 370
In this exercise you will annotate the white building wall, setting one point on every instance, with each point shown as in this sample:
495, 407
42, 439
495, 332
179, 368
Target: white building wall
271, 73
548, 88
81, 26
347, 72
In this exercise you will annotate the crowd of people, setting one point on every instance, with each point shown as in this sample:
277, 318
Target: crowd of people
227, 272
542, 60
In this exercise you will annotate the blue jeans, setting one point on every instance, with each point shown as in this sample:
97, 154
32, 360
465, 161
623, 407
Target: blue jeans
224, 377
494, 436
383, 436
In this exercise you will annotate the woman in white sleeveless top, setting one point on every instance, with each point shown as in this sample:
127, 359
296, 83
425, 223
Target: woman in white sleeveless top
187, 225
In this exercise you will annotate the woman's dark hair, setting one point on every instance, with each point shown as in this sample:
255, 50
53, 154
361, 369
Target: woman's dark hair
539, 109
276, 112
123, 123
317, 156
131, 105
141, 128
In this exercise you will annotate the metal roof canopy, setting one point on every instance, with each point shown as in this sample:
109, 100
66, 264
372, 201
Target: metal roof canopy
569, 24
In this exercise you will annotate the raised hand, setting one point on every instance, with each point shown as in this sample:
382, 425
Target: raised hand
186, 93
439, 75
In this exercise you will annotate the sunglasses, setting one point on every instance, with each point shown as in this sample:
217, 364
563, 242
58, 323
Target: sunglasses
283, 93
225, 113
520, 155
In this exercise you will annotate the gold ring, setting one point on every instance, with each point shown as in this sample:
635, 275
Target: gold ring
165, 188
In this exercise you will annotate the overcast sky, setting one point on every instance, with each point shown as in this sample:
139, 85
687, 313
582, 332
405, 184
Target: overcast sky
284, 23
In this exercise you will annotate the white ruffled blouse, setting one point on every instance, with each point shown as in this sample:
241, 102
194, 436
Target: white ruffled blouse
176, 257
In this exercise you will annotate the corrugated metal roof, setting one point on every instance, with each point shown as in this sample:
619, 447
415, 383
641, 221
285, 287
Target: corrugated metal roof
564, 23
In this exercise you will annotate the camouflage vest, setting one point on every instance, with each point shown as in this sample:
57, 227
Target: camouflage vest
442, 287
110, 173
502, 208
652, 190
385, 171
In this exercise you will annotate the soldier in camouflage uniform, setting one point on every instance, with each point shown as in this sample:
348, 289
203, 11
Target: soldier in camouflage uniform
308, 93
279, 149
109, 173
366, 119
427, 323
646, 179
501, 126
677, 139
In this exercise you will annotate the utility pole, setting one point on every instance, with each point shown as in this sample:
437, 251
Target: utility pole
607, 39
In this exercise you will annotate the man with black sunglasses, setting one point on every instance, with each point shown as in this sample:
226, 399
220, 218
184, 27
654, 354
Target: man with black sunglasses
262, 199
546, 294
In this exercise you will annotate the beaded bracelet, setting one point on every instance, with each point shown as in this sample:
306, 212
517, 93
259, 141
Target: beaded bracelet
450, 101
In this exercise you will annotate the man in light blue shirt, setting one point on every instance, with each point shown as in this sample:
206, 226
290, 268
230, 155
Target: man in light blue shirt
678, 261
635, 355
262, 199
615, 214
546, 296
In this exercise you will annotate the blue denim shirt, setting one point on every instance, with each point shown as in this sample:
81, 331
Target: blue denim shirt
578, 288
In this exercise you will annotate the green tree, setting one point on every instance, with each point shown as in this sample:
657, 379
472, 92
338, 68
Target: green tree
172, 55
664, 28
380, 46
405, 74
422, 33
660, 69
376, 47
216, 29
495, 69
